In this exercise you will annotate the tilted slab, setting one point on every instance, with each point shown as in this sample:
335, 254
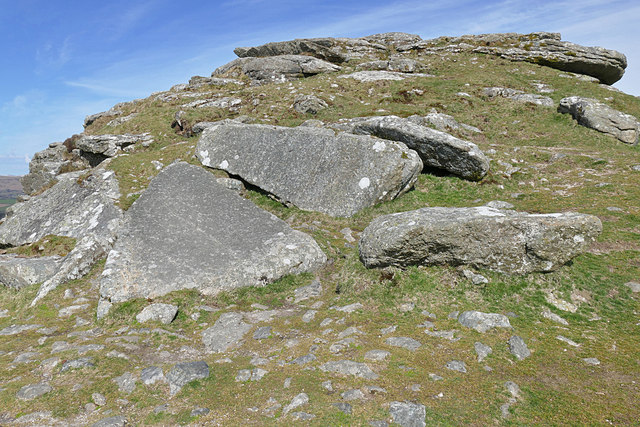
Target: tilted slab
313, 168
500, 240
276, 68
595, 115
17, 272
436, 149
187, 231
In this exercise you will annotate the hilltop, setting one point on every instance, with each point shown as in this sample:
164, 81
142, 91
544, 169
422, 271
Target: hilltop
337, 232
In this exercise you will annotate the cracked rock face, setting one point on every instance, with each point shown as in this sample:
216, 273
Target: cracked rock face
70, 208
187, 231
17, 272
595, 115
499, 240
312, 168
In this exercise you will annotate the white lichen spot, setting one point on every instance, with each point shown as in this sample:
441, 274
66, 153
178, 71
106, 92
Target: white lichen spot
291, 247
486, 211
205, 158
578, 239
223, 164
364, 183
379, 146
286, 261
236, 157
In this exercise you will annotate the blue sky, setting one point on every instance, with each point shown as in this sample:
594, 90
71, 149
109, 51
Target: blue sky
66, 59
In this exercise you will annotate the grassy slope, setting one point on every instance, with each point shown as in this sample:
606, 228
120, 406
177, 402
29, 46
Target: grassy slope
558, 388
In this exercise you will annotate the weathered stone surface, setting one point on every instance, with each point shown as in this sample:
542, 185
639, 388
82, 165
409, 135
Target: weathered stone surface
499, 240
348, 367
482, 322
110, 145
456, 365
17, 272
376, 355
518, 348
32, 391
436, 149
547, 49
375, 76
312, 168
276, 68
117, 421
83, 362
398, 64
443, 122
482, 350
163, 313
308, 104
313, 290
296, 402
404, 342
126, 382
408, 414
519, 96
227, 102
634, 286
151, 375
187, 231
17, 329
228, 330
183, 373
319, 48
595, 115
69, 209
47, 164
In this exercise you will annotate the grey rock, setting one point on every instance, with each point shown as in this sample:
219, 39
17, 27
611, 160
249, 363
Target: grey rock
437, 149
376, 76
276, 69
519, 96
84, 349
183, 373
499, 204
47, 164
226, 333
296, 402
513, 389
498, 240
157, 312
262, 333
320, 48
591, 361
197, 412
633, 286
67, 209
17, 329
595, 115
17, 272
350, 172
25, 357
518, 347
188, 232
348, 367
343, 407
114, 111
448, 335
397, 64
350, 308
482, 322
302, 416
443, 122
99, 399
606, 65
32, 391
456, 365
547, 314
103, 146
435, 377
567, 341
83, 362
310, 104
151, 375
482, 350
227, 103
343, 344
403, 342
197, 82
126, 382
376, 355
309, 316
476, 279
72, 309
117, 421
303, 360
408, 414
255, 374
161, 408
354, 394
378, 423
312, 290
351, 330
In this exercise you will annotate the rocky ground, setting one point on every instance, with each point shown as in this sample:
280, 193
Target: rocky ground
124, 270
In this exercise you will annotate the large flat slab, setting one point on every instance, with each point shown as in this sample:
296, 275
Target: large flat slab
312, 168
187, 231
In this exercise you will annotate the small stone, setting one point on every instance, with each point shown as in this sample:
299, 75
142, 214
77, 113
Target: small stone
313, 290
226, 333
406, 307
183, 373
32, 391
161, 408
348, 367
568, 341
449, 335
560, 304
591, 361
90, 407
547, 314
126, 382
352, 395
349, 331
350, 308
408, 414
634, 286
303, 360
482, 322
504, 410
309, 316
456, 365
453, 315
388, 330
518, 347
83, 362
376, 355
327, 386
343, 407
197, 412
302, 416
296, 402
72, 309
99, 399
163, 313
476, 279
69, 293
513, 389
403, 342
435, 377
287, 382
118, 421
151, 375
482, 350
374, 389
262, 333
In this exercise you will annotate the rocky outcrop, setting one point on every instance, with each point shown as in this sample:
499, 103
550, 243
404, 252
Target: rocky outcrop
436, 149
17, 272
398, 64
310, 104
312, 168
547, 49
74, 207
319, 48
375, 76
518, 95
110, 145
595, 115
500, 240
187, 231
443, 122
276, 68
